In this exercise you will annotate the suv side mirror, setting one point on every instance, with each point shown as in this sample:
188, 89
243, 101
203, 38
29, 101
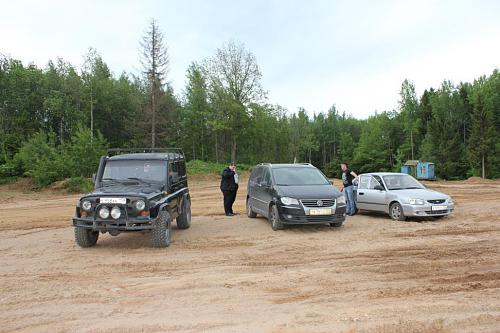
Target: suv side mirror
378, 187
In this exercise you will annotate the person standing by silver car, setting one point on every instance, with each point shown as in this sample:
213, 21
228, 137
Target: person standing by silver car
347, 177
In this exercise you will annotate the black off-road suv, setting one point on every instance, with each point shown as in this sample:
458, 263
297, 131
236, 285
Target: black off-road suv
137, 189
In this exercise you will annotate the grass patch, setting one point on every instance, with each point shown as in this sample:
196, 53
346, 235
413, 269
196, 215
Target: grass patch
197, 167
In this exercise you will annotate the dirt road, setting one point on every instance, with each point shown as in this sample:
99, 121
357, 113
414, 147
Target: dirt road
237, 275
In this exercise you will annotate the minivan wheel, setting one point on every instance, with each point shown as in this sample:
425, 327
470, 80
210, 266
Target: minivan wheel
250, 212
396, 212
274, 218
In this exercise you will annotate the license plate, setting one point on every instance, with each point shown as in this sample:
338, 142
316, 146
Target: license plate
439, 207
113, 201
320, 211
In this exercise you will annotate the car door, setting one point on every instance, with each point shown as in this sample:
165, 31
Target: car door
375, 194
265, 190
254, 189
363, 184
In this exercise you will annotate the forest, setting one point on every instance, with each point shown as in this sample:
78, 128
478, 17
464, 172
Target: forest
57, 120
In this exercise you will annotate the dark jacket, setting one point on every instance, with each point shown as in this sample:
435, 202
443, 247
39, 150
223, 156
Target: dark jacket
227, 182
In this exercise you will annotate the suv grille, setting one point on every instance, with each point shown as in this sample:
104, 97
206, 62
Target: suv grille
318, 202
436, 201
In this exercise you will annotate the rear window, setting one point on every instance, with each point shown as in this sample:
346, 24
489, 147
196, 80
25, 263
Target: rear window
299, 176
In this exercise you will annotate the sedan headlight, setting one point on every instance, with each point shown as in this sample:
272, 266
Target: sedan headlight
341, 200
104, 213
417, 202
86, 205
450, 201
140, 205
289, 201
115, 213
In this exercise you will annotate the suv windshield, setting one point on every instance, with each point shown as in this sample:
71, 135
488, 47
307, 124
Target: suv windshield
299, 176
401, 182
151, 171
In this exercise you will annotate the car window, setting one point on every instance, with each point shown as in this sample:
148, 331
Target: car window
256, 175
363, 182
374, 181
266, 178
182, 168
146, 170
296, 176
401, 182
174, 171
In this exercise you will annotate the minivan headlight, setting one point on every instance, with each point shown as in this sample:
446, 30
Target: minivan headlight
289, 201
341, 200
417, 202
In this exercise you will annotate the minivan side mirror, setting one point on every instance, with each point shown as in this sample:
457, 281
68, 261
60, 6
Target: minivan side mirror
378, 187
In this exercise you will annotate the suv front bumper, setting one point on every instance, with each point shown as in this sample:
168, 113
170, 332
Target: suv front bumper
130, 224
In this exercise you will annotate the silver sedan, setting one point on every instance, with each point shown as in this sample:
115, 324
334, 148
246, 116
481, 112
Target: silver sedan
401, 196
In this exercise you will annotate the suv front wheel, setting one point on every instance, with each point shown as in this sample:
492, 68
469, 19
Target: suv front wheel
274, 218
86, 237
161, 235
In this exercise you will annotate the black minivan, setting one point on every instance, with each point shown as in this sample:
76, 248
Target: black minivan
294, 194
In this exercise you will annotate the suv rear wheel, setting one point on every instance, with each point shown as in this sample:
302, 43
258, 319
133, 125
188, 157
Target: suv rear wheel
184, 220
86, 237
161, 235
274, 218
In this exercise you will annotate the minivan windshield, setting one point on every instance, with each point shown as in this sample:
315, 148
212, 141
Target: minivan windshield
401, 182
149, 171
299, 176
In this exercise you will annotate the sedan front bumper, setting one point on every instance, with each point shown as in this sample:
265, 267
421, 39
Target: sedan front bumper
427, 210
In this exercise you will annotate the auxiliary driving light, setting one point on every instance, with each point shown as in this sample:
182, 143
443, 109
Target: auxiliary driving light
115, 213
104, 212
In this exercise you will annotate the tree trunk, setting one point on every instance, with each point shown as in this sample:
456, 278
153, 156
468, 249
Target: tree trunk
216, 149
153, 120
91, 114
482, 165
233, 149
411, 138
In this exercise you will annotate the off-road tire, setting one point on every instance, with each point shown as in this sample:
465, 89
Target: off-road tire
250, 213
336, 224
396, 212
161, 234
274, 219
184, 220
86, 237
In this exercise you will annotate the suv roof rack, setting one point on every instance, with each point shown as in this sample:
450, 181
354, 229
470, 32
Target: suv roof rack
166, 150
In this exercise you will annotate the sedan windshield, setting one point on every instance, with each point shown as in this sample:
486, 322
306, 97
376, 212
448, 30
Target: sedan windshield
299, 176
141, 170
401, 182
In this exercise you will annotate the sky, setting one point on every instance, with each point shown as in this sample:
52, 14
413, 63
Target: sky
312, 54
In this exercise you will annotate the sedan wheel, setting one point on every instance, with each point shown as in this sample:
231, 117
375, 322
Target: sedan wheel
396, 212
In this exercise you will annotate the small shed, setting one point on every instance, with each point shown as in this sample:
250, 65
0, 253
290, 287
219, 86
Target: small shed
419, 170
425, 170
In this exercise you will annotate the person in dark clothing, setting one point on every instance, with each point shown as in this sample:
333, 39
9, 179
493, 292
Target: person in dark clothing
229, 188
347, 176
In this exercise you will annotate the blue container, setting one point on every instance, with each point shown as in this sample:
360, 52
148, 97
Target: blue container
425, 170
406, 169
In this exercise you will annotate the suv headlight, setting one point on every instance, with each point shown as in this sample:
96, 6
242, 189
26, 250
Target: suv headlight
289, 201
341, 200
86, 205
417, 202
115, 213
140, 205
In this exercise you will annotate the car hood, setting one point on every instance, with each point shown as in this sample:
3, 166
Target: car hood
424, 193
127, 190
308, 191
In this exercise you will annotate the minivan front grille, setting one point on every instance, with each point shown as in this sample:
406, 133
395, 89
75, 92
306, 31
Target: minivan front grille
318, 202
439, 201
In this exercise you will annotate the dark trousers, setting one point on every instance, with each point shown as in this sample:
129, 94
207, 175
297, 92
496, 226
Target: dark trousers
229, 198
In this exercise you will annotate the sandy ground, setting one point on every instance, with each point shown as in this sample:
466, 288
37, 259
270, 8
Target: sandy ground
237, 275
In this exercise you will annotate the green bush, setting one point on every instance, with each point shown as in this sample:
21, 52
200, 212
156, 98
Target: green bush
78, 185
84, 152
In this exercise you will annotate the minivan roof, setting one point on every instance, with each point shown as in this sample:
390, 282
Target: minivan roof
289, 165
